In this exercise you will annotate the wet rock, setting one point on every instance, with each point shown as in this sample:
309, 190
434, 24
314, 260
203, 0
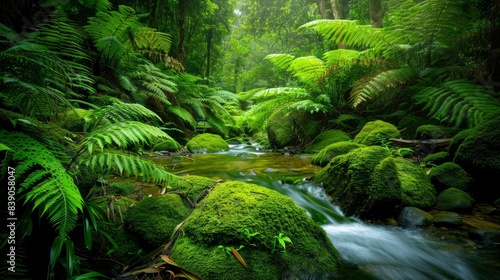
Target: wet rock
449, 175
488, 237
414, 217
446, 218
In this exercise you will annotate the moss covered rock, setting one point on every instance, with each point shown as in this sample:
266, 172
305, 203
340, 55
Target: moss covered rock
285, 129
325, 155
326, 138
232, 208
192, 185
449, 175
363, 181
479, 156
437, 158
454, 200
154, 218
430, 131
416, 188
207, 143
169, 145
409, 124
376, 132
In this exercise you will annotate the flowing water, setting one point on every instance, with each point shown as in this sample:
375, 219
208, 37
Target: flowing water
368, 251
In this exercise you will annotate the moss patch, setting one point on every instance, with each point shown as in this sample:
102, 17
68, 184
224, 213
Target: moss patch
376, 132
449, 175
192, 185
168, 145
325, 155
326, 138
207, 143
233, 206
154, 218
416, 188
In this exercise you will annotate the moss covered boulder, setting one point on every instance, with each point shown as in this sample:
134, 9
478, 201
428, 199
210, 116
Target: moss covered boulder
449, 175
154, 218
376, 133
430, 131
169, 145
192, 185
325, 155
207, 143
416, 188
326, 138
364, 181
479, 156
230, 215
285, 129
454, 200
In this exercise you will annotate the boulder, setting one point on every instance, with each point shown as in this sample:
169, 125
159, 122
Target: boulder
453, 199
207, 143
326, 138
376, 133
323, 157
252, 219
414, 217
449, 175
416, 188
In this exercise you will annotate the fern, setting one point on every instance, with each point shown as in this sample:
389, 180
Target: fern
459, 101
109, 161
45, 182
118, 112
307, 69
380, 83
280, 61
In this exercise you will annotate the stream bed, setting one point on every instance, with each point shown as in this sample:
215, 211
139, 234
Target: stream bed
368, 251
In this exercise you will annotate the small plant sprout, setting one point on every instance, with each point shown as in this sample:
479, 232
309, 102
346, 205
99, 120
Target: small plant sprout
248, 235
282, 239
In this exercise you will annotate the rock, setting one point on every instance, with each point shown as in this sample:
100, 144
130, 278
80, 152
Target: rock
323, 157
449, 175
416, 188
207, 143
232, 208
327, 138
414, 217
453, 199
488, 237
446, 218
376, 132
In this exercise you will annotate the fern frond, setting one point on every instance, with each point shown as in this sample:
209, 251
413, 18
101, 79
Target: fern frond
306, 105
280, 61
307, 69
122, 135
183, 114
459, 101
372, 87
45, 181
118, 112
150, 39
340, 55
275, 92
110, 161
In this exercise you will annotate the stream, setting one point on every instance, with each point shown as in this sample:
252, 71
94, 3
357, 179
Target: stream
368, 251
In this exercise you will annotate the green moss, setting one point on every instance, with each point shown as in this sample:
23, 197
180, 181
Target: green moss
376, 132
233, 206
122, 188
437, 158
154, 218
325, 155
326, 138
416, 188
168, 145
449, 175
192, 185
408, 126
430, 131
207, 143
348, 178
384, 190
458, 139
454, 200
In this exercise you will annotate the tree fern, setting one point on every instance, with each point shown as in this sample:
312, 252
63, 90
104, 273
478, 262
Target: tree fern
45, 182
459, 101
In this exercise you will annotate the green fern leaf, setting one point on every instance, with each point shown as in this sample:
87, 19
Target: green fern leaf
45, 181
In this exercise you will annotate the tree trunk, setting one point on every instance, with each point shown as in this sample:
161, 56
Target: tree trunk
152, 14
336, 9
324, 7
209, 47
376, 13
181, 52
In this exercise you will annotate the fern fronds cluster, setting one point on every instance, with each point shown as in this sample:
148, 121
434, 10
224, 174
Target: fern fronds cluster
45, 185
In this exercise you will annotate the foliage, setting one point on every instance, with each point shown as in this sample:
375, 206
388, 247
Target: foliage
282, 239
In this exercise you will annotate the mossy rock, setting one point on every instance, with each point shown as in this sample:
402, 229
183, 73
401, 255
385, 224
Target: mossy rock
234, 206
430, 131
169, 145
288, 129
376, 133
154, 218
325, 155
449, 175
454, 200
457, 140
326, 138
207, 143
416, 188
192, 185
363, 181
437, 158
